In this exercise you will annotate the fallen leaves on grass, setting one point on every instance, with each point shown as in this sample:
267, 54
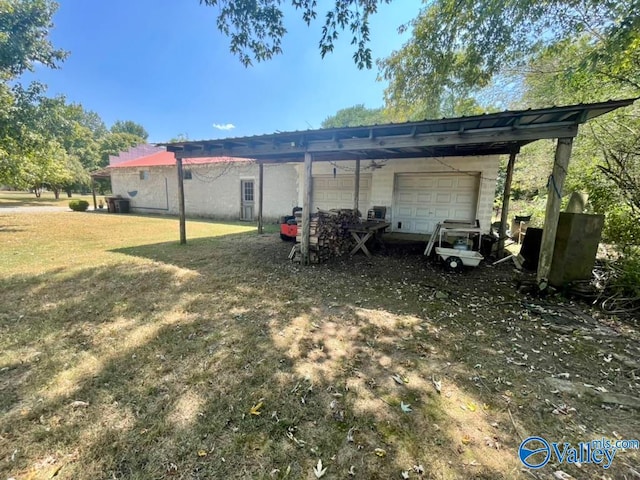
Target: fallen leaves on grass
437, 384
380, 452
318, 471
255, 410
405, 407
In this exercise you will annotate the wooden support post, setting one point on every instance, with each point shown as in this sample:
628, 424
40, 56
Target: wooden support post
306, 208
356, 193
183, 220
554, 199
93, 191
260, 194
506, 196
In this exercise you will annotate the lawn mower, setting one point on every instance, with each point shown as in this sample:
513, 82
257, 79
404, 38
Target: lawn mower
289, 226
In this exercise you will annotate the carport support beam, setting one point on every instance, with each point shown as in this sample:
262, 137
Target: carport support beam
260, 194
356, 192
506, 197
306, 209
554, 199
183, 220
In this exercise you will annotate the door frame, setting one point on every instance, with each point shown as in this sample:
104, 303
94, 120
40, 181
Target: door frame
244, 204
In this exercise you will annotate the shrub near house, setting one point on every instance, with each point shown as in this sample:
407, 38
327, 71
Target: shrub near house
78, 205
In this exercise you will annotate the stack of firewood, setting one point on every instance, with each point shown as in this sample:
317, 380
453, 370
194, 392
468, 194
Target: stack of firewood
328, 235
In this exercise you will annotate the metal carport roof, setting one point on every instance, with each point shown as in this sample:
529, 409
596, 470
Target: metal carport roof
487, 134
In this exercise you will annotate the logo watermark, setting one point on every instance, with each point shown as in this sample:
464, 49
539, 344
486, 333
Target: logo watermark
536, 452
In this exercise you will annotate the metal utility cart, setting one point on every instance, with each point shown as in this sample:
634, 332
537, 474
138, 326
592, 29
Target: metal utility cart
462, 253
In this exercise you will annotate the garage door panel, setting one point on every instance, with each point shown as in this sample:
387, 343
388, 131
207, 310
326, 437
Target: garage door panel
444, 197
422, 200
414, 182
464, 199
444, 213
445, 183
421, 226
422, 212
468, 181
331, 196
407, 198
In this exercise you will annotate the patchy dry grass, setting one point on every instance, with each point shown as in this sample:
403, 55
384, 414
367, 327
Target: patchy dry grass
126, 355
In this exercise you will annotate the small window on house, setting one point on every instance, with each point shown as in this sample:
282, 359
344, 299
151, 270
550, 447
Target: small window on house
248, 191
186, 174
144, 174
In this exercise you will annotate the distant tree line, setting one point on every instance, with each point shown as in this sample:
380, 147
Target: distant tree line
47, 142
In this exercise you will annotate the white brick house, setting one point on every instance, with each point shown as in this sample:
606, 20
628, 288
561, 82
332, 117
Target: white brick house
220, 187
418, 193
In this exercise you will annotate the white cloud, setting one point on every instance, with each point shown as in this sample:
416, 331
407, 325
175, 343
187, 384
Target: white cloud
224, 126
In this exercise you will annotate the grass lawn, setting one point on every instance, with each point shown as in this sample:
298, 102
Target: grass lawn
124, 355
46, 199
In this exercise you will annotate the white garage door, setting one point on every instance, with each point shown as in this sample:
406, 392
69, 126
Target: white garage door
421, 200
329, 192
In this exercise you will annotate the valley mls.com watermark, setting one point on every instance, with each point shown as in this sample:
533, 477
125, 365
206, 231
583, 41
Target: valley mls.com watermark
536, 452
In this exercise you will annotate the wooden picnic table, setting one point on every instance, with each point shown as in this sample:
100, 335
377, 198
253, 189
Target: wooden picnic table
362, 232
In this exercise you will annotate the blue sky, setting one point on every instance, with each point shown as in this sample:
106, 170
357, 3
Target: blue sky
163, 63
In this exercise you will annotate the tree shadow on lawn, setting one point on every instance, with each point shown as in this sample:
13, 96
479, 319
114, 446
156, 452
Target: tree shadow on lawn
10, 229
170, 357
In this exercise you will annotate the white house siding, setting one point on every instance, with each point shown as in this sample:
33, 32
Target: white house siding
213, 191
337, 192
157, 193
481, 169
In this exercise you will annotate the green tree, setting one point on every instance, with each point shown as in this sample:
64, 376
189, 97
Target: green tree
355, 116
130, 127
460, 46
606, 156
45, 149
114, 143
77, 130
256, 27
24, 30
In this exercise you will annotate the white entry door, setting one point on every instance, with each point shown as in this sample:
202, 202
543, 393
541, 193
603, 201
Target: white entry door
247, 199
421, 200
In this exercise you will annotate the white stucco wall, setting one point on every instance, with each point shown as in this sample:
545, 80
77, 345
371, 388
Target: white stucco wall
382, 186
213, 191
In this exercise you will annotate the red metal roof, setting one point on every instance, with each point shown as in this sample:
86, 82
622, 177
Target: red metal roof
166, 159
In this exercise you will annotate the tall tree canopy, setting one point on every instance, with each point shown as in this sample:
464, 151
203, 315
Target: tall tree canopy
114, 143
459, 46
256, 27
354, 117
24, 31
46, 141
130, 127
